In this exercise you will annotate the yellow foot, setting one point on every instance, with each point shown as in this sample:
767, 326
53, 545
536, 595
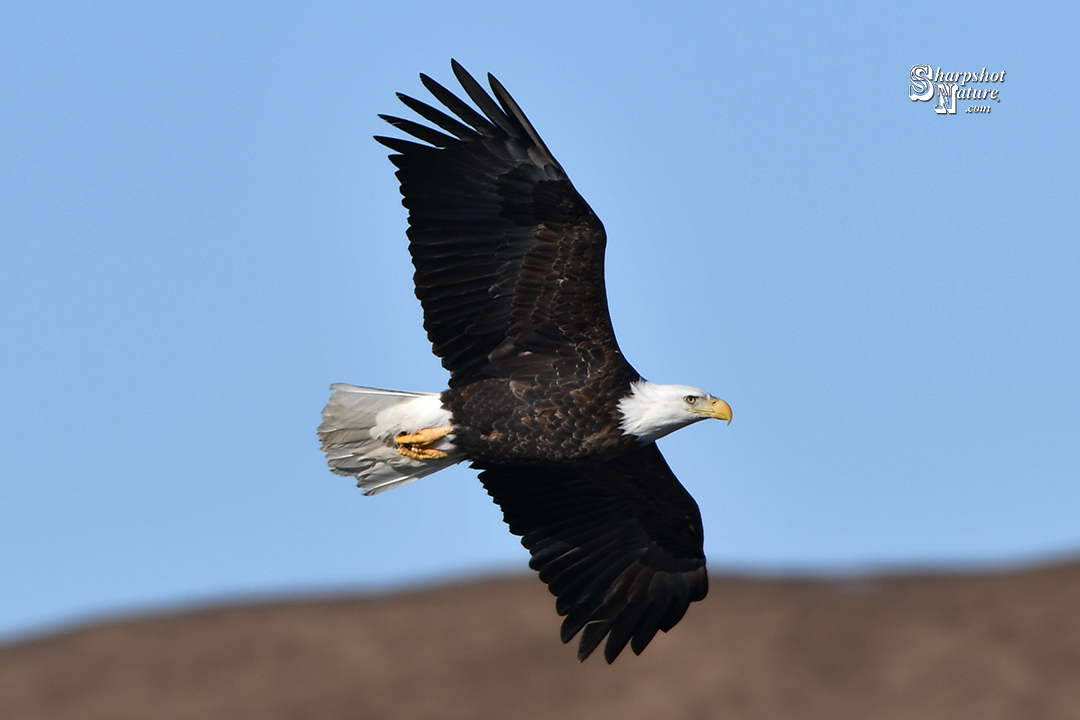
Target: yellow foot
417, 446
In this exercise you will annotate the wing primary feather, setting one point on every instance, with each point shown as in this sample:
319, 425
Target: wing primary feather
406, 147
648, 626
629, 618
563, 581
587, 590
423, 132
591, 637
591, 593
460, 108
447, 123
572, 554
483, 101
514, 112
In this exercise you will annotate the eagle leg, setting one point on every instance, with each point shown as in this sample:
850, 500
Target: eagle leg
417, 446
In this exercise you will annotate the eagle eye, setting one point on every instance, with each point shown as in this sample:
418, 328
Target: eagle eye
690, 399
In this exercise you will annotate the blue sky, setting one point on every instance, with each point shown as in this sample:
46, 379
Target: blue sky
198, 236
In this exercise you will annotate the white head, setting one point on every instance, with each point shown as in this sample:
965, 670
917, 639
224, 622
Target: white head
652, 411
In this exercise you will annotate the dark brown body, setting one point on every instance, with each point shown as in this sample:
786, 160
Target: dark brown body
512, 422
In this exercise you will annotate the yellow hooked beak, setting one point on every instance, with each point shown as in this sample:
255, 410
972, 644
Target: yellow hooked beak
714, 408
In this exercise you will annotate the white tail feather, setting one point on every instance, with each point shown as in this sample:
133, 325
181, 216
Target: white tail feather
358, 430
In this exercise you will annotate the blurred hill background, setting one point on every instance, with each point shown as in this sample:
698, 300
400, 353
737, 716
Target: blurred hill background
994, 646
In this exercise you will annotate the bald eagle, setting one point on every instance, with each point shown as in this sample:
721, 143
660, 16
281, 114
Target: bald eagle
509, 263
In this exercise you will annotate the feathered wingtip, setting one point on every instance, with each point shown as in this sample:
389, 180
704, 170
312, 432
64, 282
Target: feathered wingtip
503, 119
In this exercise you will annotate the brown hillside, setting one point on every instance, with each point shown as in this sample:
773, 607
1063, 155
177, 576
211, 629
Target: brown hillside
922, 647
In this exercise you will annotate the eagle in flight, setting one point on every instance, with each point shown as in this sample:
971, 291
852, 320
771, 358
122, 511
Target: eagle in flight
509, 265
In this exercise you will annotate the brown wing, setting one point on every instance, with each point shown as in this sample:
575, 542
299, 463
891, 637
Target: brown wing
509, 258
618, 543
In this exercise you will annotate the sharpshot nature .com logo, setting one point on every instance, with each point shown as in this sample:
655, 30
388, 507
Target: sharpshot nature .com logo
950, 87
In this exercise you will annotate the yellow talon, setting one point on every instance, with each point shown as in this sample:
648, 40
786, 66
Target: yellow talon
416, 446
424, 437
420, 453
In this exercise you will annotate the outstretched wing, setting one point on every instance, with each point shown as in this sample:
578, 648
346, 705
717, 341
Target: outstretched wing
618, 543
509, 258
